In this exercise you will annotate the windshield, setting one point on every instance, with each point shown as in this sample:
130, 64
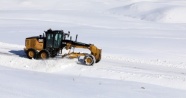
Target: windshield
57, 40
53, 39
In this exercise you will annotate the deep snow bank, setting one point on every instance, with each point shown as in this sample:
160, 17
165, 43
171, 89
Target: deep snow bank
153, 11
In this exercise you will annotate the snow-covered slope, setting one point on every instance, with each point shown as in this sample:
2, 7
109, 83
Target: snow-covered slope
143, 44
158, 11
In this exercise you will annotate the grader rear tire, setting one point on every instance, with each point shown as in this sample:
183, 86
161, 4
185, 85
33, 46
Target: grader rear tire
44, 54
31, 53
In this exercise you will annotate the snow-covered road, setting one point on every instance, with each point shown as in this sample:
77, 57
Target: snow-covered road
116, 68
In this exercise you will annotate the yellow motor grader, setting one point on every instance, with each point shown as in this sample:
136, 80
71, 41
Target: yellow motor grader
52, 42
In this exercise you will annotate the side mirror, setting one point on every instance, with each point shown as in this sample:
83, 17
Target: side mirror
70, 37
68, 33
76, 37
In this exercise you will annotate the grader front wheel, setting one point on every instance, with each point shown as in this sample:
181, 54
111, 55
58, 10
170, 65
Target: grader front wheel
89, 60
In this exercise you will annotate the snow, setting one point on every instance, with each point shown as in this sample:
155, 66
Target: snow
171, 12
21, 84
143, 43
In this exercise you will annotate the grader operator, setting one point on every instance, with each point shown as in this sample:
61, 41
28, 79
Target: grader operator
52, 42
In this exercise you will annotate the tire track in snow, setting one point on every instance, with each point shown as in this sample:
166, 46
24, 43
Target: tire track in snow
124, 71
159, 62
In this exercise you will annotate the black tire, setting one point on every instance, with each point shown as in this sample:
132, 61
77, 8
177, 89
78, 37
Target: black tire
89, 60
53, 54
31, 53
44, 54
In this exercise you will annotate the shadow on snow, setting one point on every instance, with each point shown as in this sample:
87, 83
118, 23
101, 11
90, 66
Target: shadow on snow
20, 53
